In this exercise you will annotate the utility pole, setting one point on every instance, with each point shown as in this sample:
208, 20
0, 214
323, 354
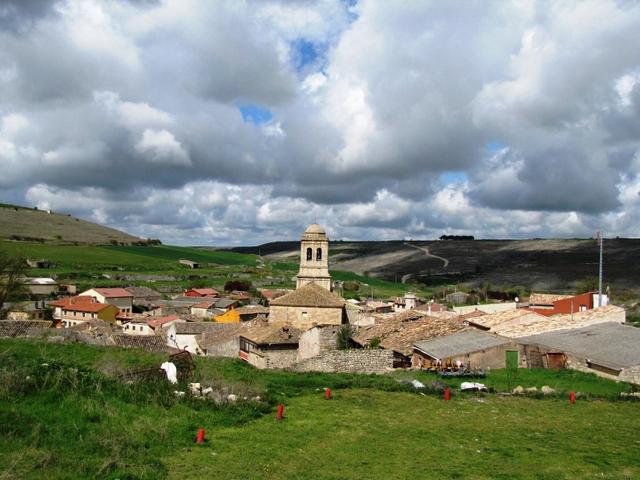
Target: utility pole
600, 242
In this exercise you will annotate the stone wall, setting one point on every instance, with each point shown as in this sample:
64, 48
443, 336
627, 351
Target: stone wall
284, 358
348, 361
317, 340
305, 317
229, 348
631, 375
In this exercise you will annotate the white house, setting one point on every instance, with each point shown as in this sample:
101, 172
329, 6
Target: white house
186, 335
137, 327
118, 297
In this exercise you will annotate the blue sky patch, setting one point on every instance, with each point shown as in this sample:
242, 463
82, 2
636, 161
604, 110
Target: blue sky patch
493, 147
307, 53
255, 113
453, 176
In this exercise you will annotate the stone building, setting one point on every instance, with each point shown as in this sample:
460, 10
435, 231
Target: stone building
306, 307
314, 258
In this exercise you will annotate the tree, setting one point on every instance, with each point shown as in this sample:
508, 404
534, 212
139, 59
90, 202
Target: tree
588, 284
12, 268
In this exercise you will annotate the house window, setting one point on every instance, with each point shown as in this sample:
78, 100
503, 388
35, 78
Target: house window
582, 308
83, 314
245, 345
305, 316
309, 254
319, 254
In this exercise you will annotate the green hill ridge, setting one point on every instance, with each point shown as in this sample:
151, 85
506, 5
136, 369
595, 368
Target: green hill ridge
30, 224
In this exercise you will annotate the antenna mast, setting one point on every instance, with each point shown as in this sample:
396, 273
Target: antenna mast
600, 242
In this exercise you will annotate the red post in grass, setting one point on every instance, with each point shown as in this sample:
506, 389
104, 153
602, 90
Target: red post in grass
327, 394
572, 398
200, 438
280, 414
447, 394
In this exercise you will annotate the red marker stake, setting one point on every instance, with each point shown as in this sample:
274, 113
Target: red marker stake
200, 438
447, 394
572, 398
327, 394
280, 414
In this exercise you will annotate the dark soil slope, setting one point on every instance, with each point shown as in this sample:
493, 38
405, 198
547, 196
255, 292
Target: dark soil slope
551, 264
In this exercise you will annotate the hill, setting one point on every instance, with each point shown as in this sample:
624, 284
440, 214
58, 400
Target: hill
21, 223
552, 264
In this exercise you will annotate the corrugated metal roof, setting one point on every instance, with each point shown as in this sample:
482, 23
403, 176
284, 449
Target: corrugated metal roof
610, 344
460, 343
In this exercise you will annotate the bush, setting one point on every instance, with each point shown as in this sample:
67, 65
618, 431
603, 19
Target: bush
242, 285
343, 339
351, 286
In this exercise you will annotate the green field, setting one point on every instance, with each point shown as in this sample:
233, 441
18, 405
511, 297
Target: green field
71, 418
158, 267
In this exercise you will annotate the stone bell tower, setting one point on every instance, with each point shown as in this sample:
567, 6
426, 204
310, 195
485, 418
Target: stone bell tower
314, 258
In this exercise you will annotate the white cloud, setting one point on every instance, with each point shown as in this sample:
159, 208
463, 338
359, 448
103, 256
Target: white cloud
160, 146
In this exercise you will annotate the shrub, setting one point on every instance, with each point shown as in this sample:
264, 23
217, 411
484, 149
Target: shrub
343, 337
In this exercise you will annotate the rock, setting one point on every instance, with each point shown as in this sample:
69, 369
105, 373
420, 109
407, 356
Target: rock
417, 384
196, 389
178, 393
257, 398
207, 391
518, 389
531, 390
546, 389
232, 397
635, 394
624, 394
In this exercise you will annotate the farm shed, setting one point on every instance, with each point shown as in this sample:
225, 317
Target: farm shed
41, 286
473, 348
189, 263
270, 346
609, 349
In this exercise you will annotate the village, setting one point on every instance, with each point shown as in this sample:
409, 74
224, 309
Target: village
312, 328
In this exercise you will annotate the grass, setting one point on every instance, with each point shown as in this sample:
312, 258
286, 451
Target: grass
157, 267
73, 419
380, 435
563, 381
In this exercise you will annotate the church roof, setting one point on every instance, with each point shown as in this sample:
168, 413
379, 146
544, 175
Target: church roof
309, 295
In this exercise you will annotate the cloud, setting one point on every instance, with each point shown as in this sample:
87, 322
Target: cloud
241, 121
160, 146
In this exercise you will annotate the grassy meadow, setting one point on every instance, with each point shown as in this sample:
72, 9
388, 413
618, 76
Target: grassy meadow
64, 414
157, 267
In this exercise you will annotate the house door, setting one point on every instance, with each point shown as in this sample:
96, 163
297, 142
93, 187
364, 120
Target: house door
512, 359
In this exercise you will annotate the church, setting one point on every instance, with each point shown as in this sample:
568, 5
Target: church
312, 303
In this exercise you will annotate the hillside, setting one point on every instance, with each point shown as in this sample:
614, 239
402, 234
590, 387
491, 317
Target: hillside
20, 223
538, 264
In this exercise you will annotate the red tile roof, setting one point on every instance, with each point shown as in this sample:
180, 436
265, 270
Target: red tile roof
68, 301
204, 292
88, 307
159, 321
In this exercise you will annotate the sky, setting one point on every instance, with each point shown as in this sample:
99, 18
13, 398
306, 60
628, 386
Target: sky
240, 122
